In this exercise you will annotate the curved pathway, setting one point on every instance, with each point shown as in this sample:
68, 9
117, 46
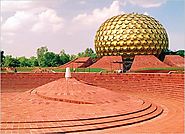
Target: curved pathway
73, 106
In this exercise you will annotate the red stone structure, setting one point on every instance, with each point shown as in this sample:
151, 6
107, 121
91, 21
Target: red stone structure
11, 82
147, 61
82, 62
109, 63
92, 102
140, 63
174, 60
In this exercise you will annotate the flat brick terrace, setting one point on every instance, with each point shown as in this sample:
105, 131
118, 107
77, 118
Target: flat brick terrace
134, 103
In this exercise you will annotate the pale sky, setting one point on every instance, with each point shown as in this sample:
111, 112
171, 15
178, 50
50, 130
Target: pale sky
71, 24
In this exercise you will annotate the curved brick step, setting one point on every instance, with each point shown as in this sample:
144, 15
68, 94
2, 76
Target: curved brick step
144, 106
119, 123
149, 112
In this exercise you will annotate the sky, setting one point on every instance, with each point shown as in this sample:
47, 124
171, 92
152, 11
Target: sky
71, 24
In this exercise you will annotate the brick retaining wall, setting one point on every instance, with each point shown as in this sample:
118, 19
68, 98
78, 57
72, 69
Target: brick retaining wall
167, 84
21, 81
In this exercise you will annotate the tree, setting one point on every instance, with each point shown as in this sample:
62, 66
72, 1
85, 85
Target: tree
9, 61
44, 58
34, 61
64, 58
81, 54
24, 62
40, 56
51, 59
72, 57
2, 58
180, 52
169, 52
88, 53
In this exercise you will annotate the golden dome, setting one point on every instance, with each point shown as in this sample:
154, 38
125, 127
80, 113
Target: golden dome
130, 34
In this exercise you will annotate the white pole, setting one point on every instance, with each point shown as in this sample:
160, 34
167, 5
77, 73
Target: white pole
67, 73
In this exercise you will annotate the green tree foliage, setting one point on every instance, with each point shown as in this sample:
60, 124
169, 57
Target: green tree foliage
51, 59
82, 54
73, 56
64, 58
180, 52
169, 52
34, 61
24, 62
88, 53
9, 61
44, 58
40, 56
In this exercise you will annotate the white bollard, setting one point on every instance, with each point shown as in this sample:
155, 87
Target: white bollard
67, 73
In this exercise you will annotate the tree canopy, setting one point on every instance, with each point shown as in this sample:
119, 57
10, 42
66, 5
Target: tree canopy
88, 53
45, 58
9, 61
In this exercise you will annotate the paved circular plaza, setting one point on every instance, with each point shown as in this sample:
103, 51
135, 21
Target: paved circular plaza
72, 106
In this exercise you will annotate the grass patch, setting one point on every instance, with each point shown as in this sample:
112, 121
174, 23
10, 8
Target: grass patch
80, 70
59, 70
165, 69
25, 69
56, 69
3, 71
19, 69
89, 69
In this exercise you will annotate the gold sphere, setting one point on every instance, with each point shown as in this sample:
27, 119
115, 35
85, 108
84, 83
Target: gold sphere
130, 34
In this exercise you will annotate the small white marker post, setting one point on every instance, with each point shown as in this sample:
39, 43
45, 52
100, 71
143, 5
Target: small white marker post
67, 76
67, 73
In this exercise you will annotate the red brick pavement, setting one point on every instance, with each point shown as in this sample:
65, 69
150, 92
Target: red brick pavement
161, 109
28, 111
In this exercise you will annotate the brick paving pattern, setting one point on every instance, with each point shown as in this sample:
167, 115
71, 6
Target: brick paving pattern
146, 61
82, 62
174, 60
109, 63
61, 106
